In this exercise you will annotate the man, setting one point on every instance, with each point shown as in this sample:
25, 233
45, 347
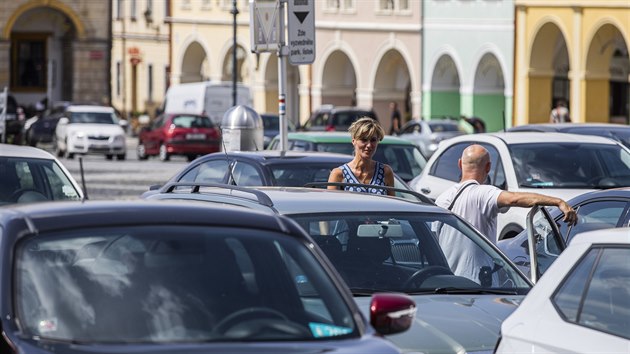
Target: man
479, 204
396, 118
560, 114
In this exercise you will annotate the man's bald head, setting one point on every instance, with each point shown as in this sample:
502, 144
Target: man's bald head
475, 163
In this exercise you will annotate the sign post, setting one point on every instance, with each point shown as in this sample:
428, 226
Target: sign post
4, 102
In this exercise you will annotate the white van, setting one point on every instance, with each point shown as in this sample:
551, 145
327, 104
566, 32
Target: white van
212, 98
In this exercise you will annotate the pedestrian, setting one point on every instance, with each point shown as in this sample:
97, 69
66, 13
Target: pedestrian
366, 134
480, 204
395, 117
560, 113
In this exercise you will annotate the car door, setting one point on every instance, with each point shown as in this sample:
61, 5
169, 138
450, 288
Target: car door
153, 137
544, 241
595, 214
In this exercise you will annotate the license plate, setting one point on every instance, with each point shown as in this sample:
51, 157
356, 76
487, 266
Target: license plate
195, 136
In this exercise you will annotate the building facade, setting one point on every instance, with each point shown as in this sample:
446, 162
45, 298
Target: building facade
57, 50
575, 51
468, 60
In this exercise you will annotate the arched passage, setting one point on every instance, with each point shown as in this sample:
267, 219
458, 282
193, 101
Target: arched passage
195, 66
228, 65
489, 93
607, 79
444, 98
548, 72
339, 81
392, 83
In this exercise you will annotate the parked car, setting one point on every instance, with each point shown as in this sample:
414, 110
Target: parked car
596, 210
557, 164
401, 155
190, 135
14, 120
619, 132
335, 118
388, 244
41, 128
581, 303
265, 168
90, 129
28, 174
170, 277
271, 127
428, 134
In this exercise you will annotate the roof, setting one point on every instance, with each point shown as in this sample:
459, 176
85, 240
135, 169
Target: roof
90, 108
271, 156
24, 151
53, 216
340, 137
567, 126
619, 235
533, 137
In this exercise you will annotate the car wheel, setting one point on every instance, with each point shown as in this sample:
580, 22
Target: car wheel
191, 157
164, 155
141, 151
121, 157
109, 156
69, 155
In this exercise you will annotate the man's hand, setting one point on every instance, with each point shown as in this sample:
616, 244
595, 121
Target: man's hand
570, 216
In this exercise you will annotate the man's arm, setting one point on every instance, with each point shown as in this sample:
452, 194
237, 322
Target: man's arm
528, 200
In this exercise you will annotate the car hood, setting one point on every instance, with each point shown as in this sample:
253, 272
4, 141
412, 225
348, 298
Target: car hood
453, 323
95, 129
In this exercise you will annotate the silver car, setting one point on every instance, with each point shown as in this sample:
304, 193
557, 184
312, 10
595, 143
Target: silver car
388, 244
427, 134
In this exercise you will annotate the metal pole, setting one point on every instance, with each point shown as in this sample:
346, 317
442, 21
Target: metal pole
3, 114
234, 12
283, 51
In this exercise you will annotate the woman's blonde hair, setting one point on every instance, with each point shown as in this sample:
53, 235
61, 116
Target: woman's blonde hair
366, 127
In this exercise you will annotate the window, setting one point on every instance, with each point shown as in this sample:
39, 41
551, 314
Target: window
336, 5
167, 8
210, 172
393, 5
595, 294
118, 78
150, 83
28, 62
595, 215
119, 9
133, 10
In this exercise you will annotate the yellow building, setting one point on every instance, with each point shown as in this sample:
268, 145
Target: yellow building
576, 51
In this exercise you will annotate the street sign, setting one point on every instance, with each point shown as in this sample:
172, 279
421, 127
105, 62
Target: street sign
301, 30
264, 32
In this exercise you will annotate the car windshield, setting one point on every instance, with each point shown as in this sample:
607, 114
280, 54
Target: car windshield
153, 284
30, 180
405, 160
571, 165
411, 252
621, 135
93, 117
437, 127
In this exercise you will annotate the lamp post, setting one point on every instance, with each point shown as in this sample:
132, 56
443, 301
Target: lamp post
234, 12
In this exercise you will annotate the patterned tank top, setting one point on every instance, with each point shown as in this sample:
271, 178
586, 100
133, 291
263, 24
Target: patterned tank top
378, 179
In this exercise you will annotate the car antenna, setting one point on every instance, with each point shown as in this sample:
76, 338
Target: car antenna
85, 194
227, 158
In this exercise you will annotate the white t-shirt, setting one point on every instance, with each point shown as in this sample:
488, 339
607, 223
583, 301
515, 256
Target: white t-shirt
476, 204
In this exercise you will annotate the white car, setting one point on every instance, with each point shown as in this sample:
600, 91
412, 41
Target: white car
90, 129
557, 164
581, 304
29, 174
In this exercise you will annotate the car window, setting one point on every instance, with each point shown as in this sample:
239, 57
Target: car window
340, 148
209, 172
300, 174
595, 294
412, 128
93, 117
246, 175
437, 127
192, 122
570, 165
595, 215
400, 251
207, 283
445, 166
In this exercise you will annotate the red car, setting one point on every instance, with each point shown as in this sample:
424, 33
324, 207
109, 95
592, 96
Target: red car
184, 134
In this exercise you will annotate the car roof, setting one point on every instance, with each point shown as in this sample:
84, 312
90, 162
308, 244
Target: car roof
9, 150
567, 126
65, 215
90, 108
278, 156
340, 137
619, 235
533, 137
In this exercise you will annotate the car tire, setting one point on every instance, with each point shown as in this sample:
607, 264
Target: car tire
109, 157
121, 157
164, 155
141, 151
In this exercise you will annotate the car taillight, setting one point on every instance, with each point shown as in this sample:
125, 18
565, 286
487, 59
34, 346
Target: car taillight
330, 128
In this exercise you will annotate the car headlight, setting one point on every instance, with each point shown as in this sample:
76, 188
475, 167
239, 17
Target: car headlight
78, 135
119, 139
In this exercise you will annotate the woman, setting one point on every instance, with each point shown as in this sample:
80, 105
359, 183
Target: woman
366, 134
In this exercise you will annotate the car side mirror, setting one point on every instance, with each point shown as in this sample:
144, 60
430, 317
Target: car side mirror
391, 313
